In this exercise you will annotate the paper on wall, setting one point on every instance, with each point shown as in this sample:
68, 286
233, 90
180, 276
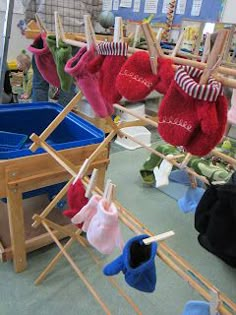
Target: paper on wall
115, 5
165, 7
126, 3
150, 6
137, 4
181, 6
196, 7
107, 5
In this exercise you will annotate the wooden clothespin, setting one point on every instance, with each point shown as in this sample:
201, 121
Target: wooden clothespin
215, 56
214, 302
153, 46
178, 44
41, 25
136, 35
158, 36
118, 30
89, 32
207, 48
186, 160
82, 171
57, 29
158, 238
92, 183
108, 193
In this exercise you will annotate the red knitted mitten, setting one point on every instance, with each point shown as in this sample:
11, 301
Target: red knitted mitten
165, 74
136, 80
202, 143
76, 200
111, 59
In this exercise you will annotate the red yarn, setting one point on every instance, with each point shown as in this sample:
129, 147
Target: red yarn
76, 200
136, 80
202, 143
165, 74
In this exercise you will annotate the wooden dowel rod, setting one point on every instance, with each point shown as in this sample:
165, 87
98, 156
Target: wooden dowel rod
78, 271
147, 120
52, 126
52, 263
67, 165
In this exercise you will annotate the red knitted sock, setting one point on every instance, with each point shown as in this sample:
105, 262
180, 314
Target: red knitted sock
76, 200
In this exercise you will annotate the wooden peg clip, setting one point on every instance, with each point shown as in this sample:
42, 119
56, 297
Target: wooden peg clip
118, 30
92, 183
89, 32
82, 171
158, 238
40, 24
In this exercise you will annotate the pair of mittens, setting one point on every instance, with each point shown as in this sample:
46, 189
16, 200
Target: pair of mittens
136, 80
137, 263
197, 308
44, 60
78, 67
61, 55
110, 59
188, 108
76, 200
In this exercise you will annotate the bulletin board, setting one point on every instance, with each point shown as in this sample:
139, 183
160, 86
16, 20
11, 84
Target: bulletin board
137, 10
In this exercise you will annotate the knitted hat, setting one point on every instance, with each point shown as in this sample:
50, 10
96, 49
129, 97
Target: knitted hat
44, 60
188, 107
135, 79
76, 200
77, 67
232, 111
137, 263
189, 202
196, 308
103, 231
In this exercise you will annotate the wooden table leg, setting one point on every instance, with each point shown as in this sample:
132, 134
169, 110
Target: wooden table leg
17, 231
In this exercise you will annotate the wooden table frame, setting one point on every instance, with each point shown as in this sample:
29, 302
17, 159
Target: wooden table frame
32, 172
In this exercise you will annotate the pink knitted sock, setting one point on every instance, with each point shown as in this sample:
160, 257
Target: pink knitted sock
87, 212
44, 60
104, 231
77, 66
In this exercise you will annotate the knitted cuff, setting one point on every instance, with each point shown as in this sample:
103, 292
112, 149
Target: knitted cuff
112, 49
187, 78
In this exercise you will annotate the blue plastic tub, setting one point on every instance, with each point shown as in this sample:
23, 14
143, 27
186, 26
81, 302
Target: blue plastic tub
31, 118
9, 140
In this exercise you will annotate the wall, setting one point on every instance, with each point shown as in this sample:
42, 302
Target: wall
17, 41
229, 15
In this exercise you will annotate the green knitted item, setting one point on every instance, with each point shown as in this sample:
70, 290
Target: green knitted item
61, 55
147, 170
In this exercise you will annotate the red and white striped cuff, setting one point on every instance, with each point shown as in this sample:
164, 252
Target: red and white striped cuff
185, 77
112, 48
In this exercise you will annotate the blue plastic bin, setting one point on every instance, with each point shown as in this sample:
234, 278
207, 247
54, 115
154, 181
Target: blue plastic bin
30, 118
9, 140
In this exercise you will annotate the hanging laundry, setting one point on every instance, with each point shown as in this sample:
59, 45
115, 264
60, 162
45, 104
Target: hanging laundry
196, 308
108, 64
215, 220
189, 108
44, 60
76, 200
165, 74
61, 55
77, 67
103, 231
137, 263
191, 199
86, 214
162, 173
232, 111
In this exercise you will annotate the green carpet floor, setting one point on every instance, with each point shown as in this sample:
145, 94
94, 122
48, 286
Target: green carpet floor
63, 293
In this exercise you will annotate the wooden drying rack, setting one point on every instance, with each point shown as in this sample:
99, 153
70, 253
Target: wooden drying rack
167, 255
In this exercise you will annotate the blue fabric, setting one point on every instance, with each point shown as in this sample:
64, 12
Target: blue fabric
196, 308
181, 177
40, 89
191, 199
137, 263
